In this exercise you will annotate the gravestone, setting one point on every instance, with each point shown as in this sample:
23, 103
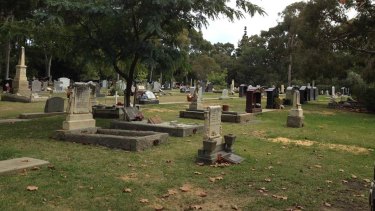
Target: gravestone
282, 89
224, 94
303, 95
36, 86
131, 114
209, 87
253, 100
295, 116
105, 84
289, 95
80, 107
156, 87
272, 93
58, 86
214, 147
54, 104
44, 85
333, 91
242, 90
20, 84
232, 87
65, 82
196, 102
327, 93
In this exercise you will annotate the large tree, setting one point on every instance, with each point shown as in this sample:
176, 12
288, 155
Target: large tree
127, 31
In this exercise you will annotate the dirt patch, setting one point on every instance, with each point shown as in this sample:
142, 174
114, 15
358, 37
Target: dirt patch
259, 133
348, 148
325, 113
193, 200
308, 143
353, 197
282, 140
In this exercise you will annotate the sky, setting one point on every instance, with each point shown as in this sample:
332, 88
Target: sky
225, 31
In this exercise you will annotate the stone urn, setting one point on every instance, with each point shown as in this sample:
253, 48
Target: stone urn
209, 146
229, 141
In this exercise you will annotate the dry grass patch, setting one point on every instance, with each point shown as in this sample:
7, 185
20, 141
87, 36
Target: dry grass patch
324, 113
308, 143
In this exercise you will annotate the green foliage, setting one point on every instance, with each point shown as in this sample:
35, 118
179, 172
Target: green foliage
369, 99
218, 78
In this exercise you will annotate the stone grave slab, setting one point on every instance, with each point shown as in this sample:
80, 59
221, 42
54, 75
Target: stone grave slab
172, 128
121, 139
11, 121
131, 114
18, 164
110, 112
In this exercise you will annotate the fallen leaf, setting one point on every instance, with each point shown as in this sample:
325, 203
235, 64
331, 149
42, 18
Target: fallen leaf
200, 164
168, 161
172, 192
130, 165
212, 179
283, 188
269, 153
35, 168
127, 190
143, 165
202, 194
270, 167
195, 207
143, 200
197, 173
354, 176
31, 188
367, 180
52, 167
222, 173
235, 207
280, 197
185, 188
328, 181
158, 207
327, 204
318, 166
219, 178
341, 170
344, 181
267, 180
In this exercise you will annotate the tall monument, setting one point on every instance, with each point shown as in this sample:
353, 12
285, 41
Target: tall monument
20, 83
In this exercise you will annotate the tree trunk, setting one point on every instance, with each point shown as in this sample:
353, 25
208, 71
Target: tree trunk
48, 62
290, 70
129, 81
7, 59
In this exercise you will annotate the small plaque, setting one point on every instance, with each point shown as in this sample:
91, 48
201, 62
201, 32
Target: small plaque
154, 120
232, 158
131, 113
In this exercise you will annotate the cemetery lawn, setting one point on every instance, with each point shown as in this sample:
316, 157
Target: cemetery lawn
327, 165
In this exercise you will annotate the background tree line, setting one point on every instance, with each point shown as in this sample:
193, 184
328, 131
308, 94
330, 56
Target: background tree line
140, 40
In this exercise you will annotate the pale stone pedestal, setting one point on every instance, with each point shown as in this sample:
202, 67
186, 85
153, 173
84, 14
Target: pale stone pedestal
195, 106
295, 118
78, 121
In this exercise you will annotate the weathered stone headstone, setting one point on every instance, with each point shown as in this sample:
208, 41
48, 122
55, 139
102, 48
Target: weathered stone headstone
44, 85
224, 94
79, 108
295, 117
232, 87
196, 103
214, 147
333, 91
282, 89
131, 114
327, 93
36, 86
54, 104
58, 86
20, 84
104, 83
156, 87
242, 90
65, 82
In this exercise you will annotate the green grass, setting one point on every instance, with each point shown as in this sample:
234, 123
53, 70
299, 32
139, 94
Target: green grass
93, 178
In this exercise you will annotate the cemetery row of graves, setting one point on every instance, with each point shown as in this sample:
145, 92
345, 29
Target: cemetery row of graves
196, 150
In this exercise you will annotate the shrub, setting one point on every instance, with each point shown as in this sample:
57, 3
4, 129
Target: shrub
369, 99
